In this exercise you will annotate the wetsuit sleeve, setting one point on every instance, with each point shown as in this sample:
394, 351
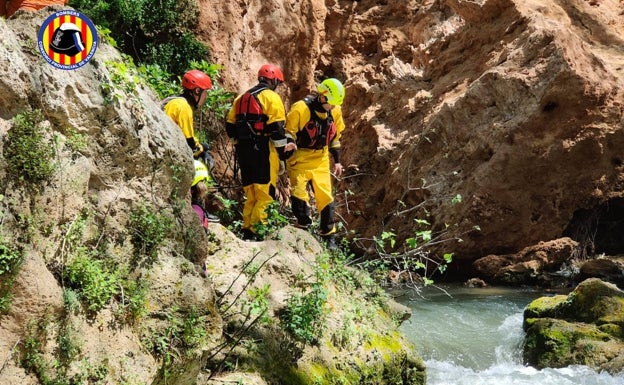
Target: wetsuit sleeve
340, 126
273, 108
182, 114
297, 117
230, 120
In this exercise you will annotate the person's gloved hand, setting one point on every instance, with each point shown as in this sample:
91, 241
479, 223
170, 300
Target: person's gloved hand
206, 157
208, 160
282, 168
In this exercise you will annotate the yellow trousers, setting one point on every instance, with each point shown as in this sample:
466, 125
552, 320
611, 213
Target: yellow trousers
259, 196
312, 166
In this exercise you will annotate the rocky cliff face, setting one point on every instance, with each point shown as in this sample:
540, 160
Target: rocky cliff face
514, 105
106, 275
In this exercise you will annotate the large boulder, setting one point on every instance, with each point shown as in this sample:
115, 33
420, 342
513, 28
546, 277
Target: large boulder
585, 327
539, 264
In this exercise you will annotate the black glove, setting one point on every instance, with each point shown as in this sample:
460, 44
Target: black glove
206, 157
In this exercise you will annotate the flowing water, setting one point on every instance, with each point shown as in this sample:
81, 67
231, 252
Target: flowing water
474, 337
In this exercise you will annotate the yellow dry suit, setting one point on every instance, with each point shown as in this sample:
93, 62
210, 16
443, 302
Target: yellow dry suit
180, 111
317, 134
256, 125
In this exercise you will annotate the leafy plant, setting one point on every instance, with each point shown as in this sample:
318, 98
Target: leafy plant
68, 344
11, 258
185, 331
31, 357
76, 141
413, 258
29, 155
59, 369
303, 316
154, 32
228, 212
149, 229
95, 284
274, 221
162, 82
135, 297
71, 301
258, 304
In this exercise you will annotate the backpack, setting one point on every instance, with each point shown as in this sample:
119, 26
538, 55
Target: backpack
317, 133
250, 118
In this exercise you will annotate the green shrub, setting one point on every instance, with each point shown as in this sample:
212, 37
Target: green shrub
274, 221
11, 258
186, 330
31, 357
149, 229
136, 291
304, 314
68, 343
92, 280
29, 156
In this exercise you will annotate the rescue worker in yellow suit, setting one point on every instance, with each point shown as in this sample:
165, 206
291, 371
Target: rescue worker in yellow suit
255, 124
180, 108
317, 124
195, 86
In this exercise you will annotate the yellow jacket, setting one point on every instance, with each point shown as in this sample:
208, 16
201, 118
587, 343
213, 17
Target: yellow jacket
181, 112
299, 115
273, 108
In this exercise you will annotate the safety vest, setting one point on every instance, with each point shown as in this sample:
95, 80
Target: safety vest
317, 132
250, 118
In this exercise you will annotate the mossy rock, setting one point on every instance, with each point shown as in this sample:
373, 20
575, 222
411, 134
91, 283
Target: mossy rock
544, 307
595, 301
582, 328
557, 343
386, 358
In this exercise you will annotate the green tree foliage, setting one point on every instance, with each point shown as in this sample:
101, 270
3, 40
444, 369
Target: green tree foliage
151, 31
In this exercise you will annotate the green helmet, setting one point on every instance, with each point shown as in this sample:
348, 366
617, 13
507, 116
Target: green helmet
333, 90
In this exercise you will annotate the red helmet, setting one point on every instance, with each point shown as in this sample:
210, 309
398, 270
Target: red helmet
196, 79
271, 71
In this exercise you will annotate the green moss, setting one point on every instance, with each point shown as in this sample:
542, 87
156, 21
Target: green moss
558, 343
544, 306
614, 330
389, 362
610, 310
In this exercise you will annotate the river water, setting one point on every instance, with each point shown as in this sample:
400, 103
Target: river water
474, 337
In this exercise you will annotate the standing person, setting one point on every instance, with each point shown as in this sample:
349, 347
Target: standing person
180, 108
316, 123
195, 86
255, 123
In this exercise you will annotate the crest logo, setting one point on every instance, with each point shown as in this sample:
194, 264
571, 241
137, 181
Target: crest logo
67, 40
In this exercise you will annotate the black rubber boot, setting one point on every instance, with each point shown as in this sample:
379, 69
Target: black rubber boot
330, 241
301, 211
327, 219
248, 235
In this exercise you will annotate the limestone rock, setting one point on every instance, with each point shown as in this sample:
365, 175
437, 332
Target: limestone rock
586, 327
